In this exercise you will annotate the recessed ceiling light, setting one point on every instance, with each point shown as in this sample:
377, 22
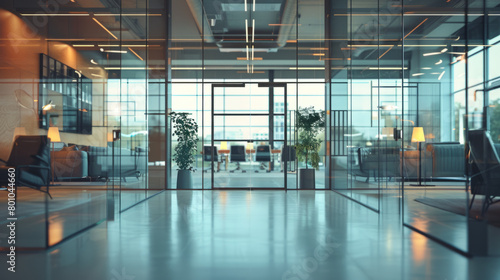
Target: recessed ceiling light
439, 62
417, 74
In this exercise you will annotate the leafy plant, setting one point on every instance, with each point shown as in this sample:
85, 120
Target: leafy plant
309, 124
186, 130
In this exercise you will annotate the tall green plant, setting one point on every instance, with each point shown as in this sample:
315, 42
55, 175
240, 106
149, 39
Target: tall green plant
186, 130
309, 124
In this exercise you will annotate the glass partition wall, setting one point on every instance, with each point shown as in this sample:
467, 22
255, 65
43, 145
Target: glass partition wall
88, 76
418, 87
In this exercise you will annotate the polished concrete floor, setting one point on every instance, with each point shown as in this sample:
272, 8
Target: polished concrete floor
251, 235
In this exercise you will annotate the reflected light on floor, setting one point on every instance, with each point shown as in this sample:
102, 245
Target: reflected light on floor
419, 242
56, 232
248, 198
223, 200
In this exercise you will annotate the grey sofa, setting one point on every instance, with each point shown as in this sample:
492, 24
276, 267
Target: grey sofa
69, 164
446, 160
95, 163
127, 163
375, 162
442, 161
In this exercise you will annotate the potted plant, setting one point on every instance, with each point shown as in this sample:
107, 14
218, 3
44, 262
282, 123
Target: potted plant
309, 124
186, 130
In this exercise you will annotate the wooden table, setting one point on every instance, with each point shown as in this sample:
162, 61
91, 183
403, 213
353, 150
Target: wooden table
225, 154
273, 152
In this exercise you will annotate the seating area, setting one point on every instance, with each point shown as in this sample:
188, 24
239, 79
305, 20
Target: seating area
440, 161
260, 159
92, 163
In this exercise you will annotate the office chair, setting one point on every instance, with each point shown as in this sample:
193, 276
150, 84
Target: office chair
262, 155
30, 156
237, 154
210, 154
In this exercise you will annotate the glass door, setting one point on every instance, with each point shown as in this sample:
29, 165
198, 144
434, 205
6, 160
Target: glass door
248, 137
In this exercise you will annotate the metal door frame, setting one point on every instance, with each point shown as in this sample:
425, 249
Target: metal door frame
212, 126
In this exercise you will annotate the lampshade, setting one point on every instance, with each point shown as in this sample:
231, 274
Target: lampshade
387, 131
223, 145
418, 135
249, 146
53, 134
18, 131
110, 137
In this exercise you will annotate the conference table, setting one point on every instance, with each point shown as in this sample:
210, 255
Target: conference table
225, 155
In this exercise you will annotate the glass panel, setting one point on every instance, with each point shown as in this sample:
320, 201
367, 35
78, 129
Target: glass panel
241, 127
433, 140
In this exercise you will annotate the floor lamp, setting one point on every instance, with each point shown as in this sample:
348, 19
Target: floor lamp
419, 137
53, 135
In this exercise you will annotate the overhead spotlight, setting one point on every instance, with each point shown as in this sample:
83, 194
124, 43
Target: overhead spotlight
49, 106
439, 62
93, 62
212, 22
101, 49
444, 50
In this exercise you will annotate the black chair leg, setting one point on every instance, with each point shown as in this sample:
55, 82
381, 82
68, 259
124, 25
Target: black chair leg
472, 201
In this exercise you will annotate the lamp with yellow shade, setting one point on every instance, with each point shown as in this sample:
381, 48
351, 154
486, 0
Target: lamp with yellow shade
249, 146
53, 135
418, 136
223, 145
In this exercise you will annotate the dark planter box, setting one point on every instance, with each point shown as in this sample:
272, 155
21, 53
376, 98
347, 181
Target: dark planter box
184, 179
307, 180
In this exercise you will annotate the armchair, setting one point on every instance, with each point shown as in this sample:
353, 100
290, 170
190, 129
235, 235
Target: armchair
485, 168
30, 156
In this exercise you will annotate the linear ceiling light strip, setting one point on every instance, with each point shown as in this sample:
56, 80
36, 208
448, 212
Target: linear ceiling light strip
104, 27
